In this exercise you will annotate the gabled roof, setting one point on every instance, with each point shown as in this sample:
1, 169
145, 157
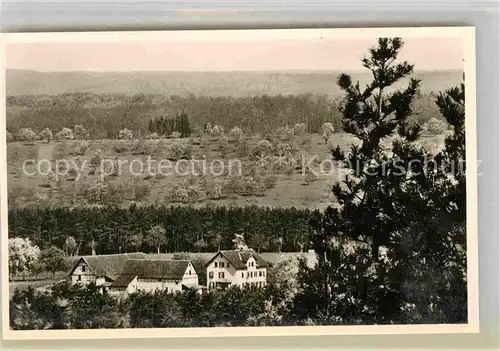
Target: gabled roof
151, 269
108, 265
239, 258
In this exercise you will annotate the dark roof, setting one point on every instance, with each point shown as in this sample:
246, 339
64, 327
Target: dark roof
108, 265
239, 258
198, 260
151, 269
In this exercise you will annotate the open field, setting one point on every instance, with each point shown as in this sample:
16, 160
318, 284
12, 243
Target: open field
39, 282
271, 184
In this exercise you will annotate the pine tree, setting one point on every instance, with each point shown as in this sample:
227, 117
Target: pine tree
399, 217
182, 125
151, 128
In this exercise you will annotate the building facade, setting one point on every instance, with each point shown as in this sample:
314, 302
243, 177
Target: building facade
149, 275
243, 268
100, 269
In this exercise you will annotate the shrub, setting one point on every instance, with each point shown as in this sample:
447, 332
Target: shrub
72, 173
9, 137
96, 158
96, 192
60, 151
224, 147
236, 133
118, 193
65, 134
283, 149
125, 134
154, 136
216, 130
235, 185
252, 186
141, 190
285, 133
270, 181
141, 147
181, 151
328, 130
27, 134
195, 193
242, 148
176, 135
213, 188
435, 126
208, 128
46, 134
269, 137
122, 146
81, 147
299, 129
81, 132
179, 194
263, 147
48, 179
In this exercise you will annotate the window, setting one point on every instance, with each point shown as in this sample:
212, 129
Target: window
189, 272
242, 275
260, 273
83, 268
221, 264
210, 275
221, 275
263, 273
79, 278
248, 274
215, 264
159, 280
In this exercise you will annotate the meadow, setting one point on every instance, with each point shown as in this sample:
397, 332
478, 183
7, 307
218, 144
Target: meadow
212, 183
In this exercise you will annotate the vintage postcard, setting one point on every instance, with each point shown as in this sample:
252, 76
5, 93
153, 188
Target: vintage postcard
239, 183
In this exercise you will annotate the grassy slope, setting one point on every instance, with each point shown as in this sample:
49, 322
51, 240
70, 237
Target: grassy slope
290, 189
199, 83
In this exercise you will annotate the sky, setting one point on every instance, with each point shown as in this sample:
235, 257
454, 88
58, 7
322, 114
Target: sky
284, 55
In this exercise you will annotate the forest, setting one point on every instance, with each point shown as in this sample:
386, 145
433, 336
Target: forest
104, 115
114, 229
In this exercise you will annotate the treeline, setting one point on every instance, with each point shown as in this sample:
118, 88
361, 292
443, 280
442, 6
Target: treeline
164, 125
104, 115
114, 230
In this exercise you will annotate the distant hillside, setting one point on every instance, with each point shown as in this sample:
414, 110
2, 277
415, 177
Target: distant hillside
235, 84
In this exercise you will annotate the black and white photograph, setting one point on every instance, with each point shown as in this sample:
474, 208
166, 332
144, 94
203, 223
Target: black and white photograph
239, 182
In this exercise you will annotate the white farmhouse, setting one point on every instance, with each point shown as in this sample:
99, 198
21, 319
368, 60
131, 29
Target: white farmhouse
243, 268
148, 275
100, 269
